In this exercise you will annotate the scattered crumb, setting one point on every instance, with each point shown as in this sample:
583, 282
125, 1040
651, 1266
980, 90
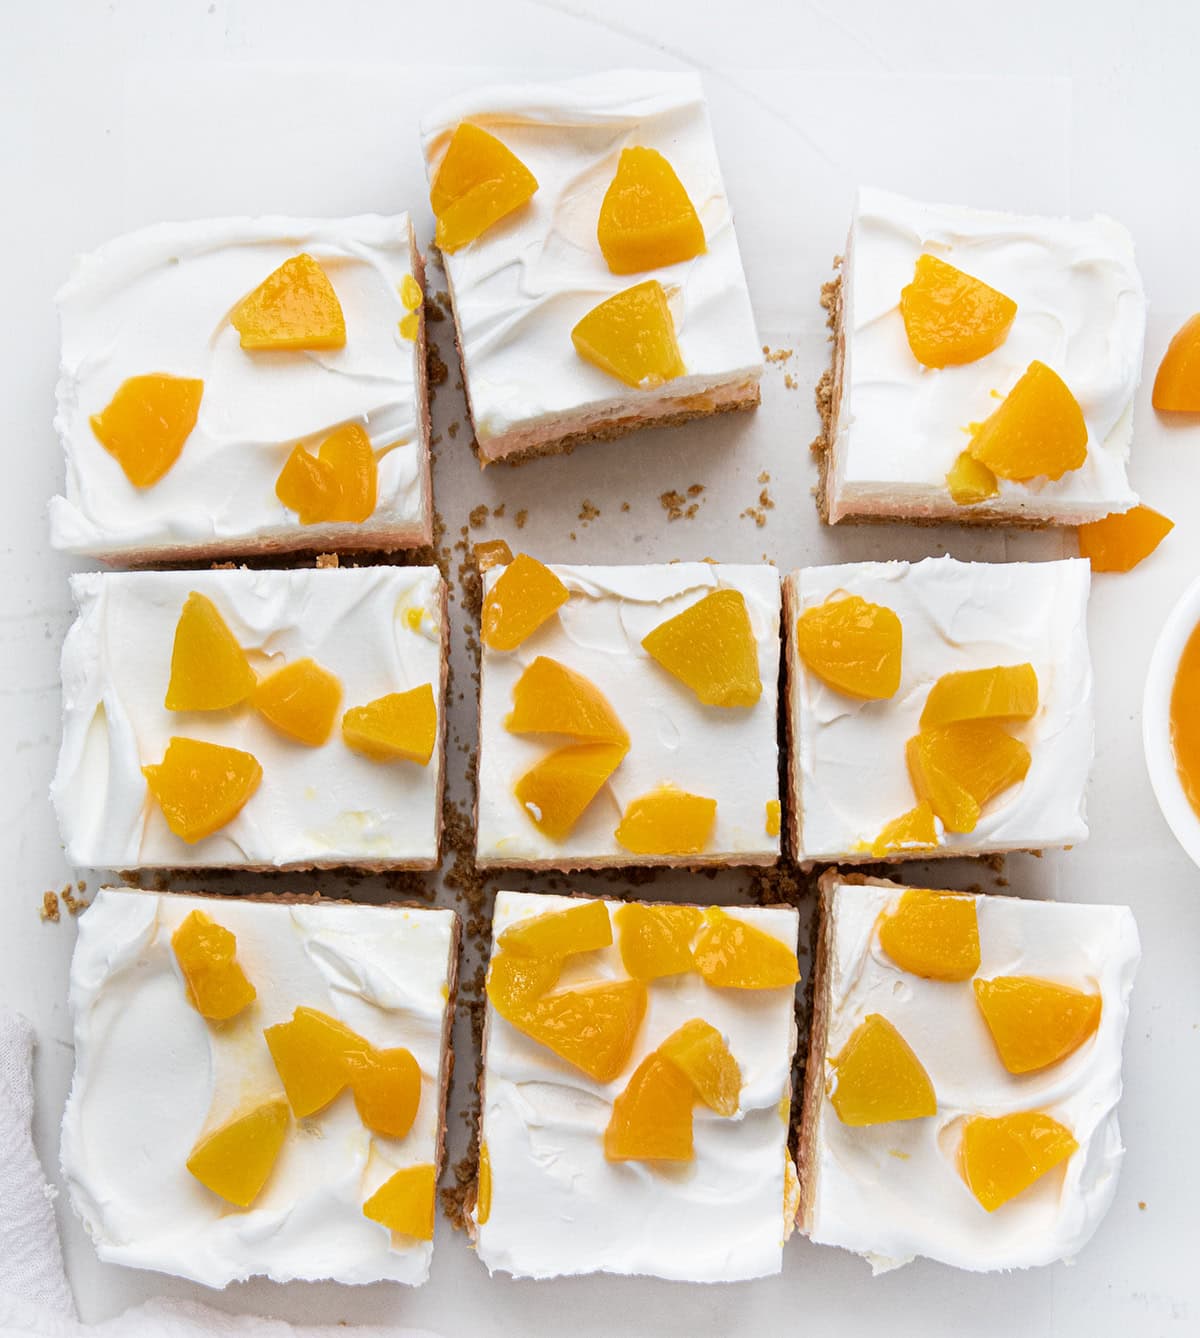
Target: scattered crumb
754, 513
676, 504
452, 428
520, 518
73, 903
764, 477
624, 506
326, 560
571, 536
695, 489
479, 515
1142, 1205
498, 511
50, 907
435, 368
588, 511
790, 381
776, 355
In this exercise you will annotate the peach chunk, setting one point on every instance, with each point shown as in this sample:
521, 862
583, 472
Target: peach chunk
401, 725
387, 1089
1034, 1022
647, 219
524, 596
652, 1118
145, 424
583, 927
515, 980
1120, 541
631, 336
667, 821
1177, 384
209, 670
733, 954
969, 482
483, 1186
1000, 1158
774, 817
1005, 692
549, 698
494, 553
1037, 431
958, 768
914, 830
556, 790
236, 1160
301, 701
698, 1051
405, 1201
657, 940
338, 484
710, 648
593, 1028
879, 1079
934, 935
217, 987
294, 307
312, 1057
853, 646
201, 786
478, 182
951, 318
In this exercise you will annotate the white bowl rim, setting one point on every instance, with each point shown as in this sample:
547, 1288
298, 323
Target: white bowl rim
1156, 721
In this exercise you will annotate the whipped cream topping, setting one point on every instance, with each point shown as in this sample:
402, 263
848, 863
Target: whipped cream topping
726, 754
379, 629
1080, 309
152, 1077
160, 300
559, 1207
893, 1191
519, 289
849, 773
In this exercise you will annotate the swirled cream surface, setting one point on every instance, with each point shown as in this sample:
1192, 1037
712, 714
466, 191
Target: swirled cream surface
1081, 310
519, 289
160, 300
724, 753
559, 1207
893, 1191
152, 1077
849, 773
378, 629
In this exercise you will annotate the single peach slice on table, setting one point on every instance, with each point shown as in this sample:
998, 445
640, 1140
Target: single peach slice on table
710, 648
524, 596
699, 1051
583, 927
1004, 692
647, 220
146, 423
934, 935
550, 698
401, 726
1038, 430
733, 954
652, 1118
970, 482
404, 1203
556, 790
593, 1027
294, 308
950, 317
201, 786
853, 646
206, 952
959, 768
878, 1077
235, 1161
1000, 1158
667, 821
209, 669
1120, 541
1177, 383
631, 336
1036, 1023
387, 1089
478, 182
301, 701
914, 830
312, 1054
656, 940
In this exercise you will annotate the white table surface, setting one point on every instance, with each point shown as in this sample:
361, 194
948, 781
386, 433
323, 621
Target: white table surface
120, 114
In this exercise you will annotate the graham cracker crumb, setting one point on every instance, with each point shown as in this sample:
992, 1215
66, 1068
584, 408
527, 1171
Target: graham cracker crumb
777, 355
676, 504
498, 511
571, 536
1142, 1205
479, 515
435, 369
520, 518
326, 561
624, 506
50, 907
73, 903
222, 566
764, 477
452, 429
588, 511
790, 381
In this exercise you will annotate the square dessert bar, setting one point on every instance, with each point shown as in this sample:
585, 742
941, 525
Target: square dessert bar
961, 1094
627, 715
260, 1085
984, 369
254, 719
636, 1090
240, 386
937, 708
591, 260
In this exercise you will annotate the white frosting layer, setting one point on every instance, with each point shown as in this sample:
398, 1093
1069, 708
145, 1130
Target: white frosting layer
559, 1207
726, 754
159, 300
850, 774
893, 1191
152, 1077
1080, 309
324, 805
520, 288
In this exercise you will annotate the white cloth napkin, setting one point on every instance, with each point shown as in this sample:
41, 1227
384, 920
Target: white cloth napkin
34, 1296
